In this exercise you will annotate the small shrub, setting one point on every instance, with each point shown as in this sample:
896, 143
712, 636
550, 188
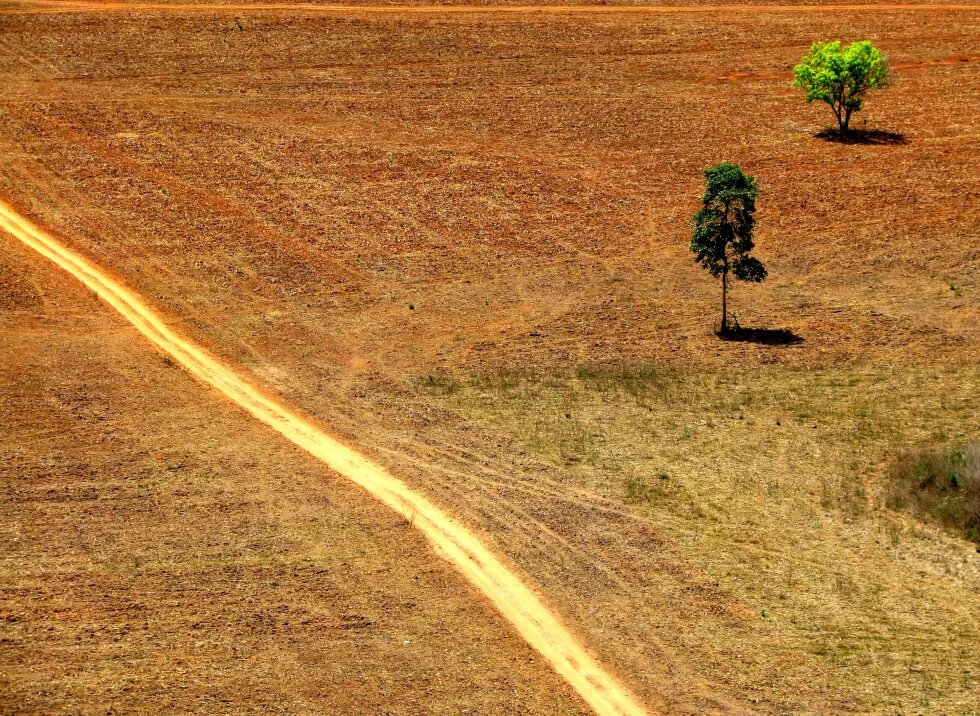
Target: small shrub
942, 485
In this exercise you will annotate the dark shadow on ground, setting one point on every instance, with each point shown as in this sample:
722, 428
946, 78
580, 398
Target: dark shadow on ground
765, 336
861, 136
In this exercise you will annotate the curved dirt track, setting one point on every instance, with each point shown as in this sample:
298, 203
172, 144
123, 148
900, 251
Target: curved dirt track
82, 5
536, 624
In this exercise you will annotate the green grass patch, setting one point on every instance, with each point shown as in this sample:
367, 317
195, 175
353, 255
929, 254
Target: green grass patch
942, 485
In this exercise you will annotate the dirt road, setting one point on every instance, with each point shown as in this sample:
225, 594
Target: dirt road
536, 624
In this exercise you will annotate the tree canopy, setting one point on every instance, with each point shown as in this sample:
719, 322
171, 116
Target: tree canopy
841, 76
722, 238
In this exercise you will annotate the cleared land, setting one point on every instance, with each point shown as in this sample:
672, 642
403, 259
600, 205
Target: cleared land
536, 624
460, 240
163, 552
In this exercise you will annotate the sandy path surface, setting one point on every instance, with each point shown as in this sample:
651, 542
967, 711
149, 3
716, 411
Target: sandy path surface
536, 624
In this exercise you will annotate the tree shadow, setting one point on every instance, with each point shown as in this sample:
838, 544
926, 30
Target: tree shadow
861, 136
765, 336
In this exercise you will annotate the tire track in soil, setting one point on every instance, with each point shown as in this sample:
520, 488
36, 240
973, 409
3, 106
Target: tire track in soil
512, 598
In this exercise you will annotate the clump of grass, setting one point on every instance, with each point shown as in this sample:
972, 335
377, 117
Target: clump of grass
504, 380
440, 383
943, 485
638, 489
637, 381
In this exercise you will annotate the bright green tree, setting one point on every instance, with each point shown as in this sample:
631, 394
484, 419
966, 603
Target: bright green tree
723, 226
841, 76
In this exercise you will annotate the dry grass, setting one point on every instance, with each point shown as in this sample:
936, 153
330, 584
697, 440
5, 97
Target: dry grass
776, 482
311, 176
943, 485
287, 184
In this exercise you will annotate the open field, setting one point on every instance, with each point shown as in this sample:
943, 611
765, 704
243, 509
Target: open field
510, 595
460, 240
162, 552
771, 480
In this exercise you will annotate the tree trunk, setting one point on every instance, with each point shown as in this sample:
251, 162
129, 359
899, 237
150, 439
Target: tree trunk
724, 301
845, 122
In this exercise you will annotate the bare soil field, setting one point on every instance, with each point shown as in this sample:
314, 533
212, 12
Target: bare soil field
460, 240
163, 553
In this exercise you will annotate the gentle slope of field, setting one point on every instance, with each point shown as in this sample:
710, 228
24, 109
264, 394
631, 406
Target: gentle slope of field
164, 552
504, 589
459, 239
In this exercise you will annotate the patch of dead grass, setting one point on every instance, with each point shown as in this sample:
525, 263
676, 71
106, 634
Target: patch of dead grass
775, 481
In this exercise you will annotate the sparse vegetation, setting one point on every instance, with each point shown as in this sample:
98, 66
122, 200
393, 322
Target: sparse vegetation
723, 226
527, 196
637, 489
941, 485
640, 489
187, 548
441, 383
797, 523
841, 76
636, 380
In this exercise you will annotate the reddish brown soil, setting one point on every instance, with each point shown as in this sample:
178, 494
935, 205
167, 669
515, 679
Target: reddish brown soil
344, 202
162, 552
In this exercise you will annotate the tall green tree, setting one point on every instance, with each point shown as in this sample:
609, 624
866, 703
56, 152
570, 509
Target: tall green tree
722, 238
841, 76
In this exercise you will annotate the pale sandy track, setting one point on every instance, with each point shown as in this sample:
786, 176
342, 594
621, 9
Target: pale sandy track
533, 620
48, 6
